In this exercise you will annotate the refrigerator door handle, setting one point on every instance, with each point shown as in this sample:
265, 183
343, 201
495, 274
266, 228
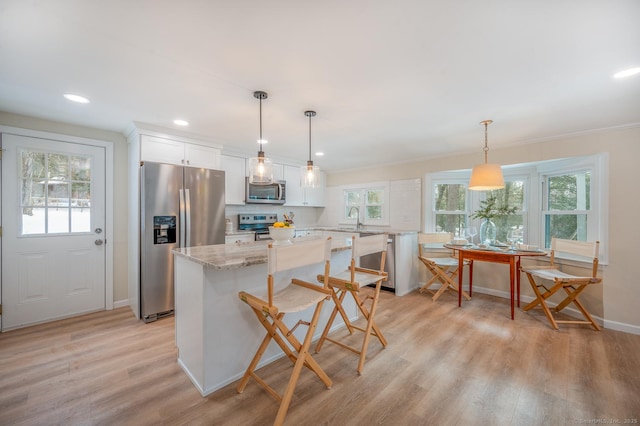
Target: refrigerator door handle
182, 219
187, 199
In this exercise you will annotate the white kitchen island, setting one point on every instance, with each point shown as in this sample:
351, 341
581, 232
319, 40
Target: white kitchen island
216, 333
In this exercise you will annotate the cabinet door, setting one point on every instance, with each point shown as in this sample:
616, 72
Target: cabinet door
234, 182
201, 156
314, 197
295, 193
160, 150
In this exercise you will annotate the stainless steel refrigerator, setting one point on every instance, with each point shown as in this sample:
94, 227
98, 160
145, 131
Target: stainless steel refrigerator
179, 207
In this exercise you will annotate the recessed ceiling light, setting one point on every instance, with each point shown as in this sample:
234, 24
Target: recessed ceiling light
319, 154
76, 98
180, 122
627, 73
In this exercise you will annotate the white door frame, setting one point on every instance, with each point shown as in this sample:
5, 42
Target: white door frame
109, 167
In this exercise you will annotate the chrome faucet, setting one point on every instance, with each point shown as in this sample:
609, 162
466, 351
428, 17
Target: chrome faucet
358, 224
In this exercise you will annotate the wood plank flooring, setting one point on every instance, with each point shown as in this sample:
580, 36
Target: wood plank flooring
444, 365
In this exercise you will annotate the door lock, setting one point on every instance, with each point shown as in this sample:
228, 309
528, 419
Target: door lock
98, 231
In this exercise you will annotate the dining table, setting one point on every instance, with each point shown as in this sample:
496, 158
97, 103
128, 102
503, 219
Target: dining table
495, 254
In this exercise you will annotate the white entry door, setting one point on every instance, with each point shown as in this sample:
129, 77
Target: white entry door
53, 219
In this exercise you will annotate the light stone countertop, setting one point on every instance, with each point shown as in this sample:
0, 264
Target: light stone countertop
240, 255
365, 230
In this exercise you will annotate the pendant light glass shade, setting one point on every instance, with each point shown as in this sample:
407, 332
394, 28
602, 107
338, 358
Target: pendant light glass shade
309, 174
260, 167
485, 177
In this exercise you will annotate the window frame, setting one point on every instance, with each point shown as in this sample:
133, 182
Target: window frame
534, 176
362, 206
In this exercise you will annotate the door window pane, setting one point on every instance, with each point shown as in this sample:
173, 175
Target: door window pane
55, 193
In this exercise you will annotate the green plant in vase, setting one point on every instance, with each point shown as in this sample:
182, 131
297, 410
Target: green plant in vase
489, 209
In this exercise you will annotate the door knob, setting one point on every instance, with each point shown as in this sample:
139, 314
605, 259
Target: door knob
99, 242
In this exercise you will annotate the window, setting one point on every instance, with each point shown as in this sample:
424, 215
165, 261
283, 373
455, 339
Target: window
449, 206
567, 206
369, 204
55, 193
556, 198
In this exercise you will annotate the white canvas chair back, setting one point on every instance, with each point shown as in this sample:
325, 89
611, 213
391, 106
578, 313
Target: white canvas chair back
586, 249
283, 258
363, 246
434, 237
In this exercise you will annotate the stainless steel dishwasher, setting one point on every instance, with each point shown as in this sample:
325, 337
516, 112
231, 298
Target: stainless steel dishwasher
372, 261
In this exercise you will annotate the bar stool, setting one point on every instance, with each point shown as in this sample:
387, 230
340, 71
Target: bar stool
271, 309
350, 282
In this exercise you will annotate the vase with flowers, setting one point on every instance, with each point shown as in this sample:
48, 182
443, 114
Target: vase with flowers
489, 208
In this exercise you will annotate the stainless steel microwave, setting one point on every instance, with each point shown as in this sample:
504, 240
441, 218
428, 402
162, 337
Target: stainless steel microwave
271, 193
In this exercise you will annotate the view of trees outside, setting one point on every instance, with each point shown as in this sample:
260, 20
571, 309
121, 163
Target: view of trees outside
374, 200
511, 196
55, 193
568, 202
450, 207
567, 206
373, 203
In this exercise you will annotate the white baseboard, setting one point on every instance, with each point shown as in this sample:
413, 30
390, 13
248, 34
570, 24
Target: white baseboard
120, 303
611, 325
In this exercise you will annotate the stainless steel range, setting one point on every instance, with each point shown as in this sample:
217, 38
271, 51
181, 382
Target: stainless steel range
258, 222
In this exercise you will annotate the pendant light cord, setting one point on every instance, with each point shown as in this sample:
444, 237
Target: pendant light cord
260, 98
310, 114
486, 138
310, 137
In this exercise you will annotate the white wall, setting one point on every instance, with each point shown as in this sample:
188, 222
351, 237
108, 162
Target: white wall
120, 207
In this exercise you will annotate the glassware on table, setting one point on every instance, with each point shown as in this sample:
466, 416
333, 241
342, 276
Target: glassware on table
514, 236
471, 231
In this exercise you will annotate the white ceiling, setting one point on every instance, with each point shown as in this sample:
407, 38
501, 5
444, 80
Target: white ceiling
391, 81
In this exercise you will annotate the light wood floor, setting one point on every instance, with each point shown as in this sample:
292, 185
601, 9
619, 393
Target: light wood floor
444, 365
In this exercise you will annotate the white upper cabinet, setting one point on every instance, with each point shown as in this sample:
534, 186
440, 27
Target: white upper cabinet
234, 178
299, 196
162, 150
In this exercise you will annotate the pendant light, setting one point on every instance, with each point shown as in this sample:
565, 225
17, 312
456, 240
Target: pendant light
485, 177
309, 174
260, 167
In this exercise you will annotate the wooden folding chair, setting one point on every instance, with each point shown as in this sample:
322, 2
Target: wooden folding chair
297, 296
350, 282
444, 270
573, 285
